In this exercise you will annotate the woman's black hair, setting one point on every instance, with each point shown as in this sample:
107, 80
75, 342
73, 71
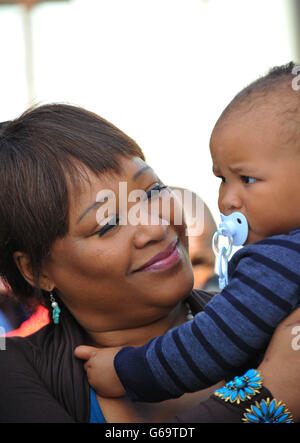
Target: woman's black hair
38, 151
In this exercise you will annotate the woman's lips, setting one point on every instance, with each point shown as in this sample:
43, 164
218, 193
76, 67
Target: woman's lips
164, 260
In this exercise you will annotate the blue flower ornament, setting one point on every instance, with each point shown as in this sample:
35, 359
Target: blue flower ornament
241, 388
268, 411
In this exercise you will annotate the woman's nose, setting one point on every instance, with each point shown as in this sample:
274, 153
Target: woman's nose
153, 229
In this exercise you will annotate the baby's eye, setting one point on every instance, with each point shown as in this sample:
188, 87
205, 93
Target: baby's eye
246, 179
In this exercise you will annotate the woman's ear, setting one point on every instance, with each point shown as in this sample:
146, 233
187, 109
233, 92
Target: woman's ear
24, 265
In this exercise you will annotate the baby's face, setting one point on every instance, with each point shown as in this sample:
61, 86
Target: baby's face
259, 172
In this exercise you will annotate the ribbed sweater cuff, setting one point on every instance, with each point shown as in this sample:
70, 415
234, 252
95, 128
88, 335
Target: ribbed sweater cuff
136, 376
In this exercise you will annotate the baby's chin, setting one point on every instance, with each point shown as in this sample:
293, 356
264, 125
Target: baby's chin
253, 238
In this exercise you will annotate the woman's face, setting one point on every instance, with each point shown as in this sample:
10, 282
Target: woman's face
100, 270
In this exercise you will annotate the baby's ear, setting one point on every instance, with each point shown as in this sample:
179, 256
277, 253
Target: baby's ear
23, 263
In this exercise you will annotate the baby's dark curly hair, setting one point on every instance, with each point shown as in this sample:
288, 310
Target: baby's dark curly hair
277, 95
278, 80
279, 71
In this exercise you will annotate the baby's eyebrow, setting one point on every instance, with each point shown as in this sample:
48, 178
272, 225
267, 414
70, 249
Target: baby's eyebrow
236, 168
241, 168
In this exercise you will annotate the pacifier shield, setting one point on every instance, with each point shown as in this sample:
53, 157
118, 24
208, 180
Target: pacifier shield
236, 226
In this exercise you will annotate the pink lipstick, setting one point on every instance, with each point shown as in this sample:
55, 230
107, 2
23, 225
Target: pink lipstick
164, 260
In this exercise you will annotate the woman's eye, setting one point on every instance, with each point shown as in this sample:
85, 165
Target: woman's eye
155, 191
246, 179
108, 226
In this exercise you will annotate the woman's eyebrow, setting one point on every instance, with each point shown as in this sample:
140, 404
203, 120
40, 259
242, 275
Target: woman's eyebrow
135, 177
96, 203
141, 171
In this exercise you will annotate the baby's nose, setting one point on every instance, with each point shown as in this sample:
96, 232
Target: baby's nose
230, 201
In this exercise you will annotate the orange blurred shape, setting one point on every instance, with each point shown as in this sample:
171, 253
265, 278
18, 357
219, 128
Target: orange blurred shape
37, 321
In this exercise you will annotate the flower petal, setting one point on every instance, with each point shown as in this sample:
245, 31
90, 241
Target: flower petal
264, 407
282, 418
251, 373
249, 390
278, 411
254, 385
252, 417
257, 411
233, 395
221, 390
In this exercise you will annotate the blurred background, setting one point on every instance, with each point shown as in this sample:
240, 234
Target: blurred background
160, 70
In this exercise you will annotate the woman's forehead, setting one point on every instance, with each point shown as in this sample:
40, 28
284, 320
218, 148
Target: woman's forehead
90, 184
129, 169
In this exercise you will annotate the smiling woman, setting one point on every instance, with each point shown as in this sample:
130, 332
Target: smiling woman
112, 284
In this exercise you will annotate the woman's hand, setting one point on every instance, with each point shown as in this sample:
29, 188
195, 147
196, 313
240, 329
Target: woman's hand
100, 370
281, 365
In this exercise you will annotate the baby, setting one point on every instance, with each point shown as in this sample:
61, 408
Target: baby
255, 148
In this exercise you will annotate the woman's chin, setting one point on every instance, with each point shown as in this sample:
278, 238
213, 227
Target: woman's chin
178, 287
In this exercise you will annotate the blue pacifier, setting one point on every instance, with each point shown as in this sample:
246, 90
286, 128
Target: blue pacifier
234, 228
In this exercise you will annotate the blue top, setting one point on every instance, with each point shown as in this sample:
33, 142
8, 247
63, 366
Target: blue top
237, 324
5, 325
96, 415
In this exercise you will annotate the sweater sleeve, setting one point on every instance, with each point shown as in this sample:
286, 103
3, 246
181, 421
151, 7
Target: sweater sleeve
23, 396
235, 325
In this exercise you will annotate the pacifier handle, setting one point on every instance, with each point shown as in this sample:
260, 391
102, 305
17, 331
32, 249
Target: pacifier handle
234, 227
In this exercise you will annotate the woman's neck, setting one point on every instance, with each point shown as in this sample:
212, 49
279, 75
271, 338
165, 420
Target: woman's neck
139, 335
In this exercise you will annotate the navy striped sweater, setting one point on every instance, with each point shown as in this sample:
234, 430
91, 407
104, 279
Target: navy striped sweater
237, 324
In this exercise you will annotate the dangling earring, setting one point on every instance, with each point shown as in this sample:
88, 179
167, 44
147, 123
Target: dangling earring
55, 310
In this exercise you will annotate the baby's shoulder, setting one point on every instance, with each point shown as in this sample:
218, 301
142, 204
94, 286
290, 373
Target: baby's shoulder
277, 244
283, 249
